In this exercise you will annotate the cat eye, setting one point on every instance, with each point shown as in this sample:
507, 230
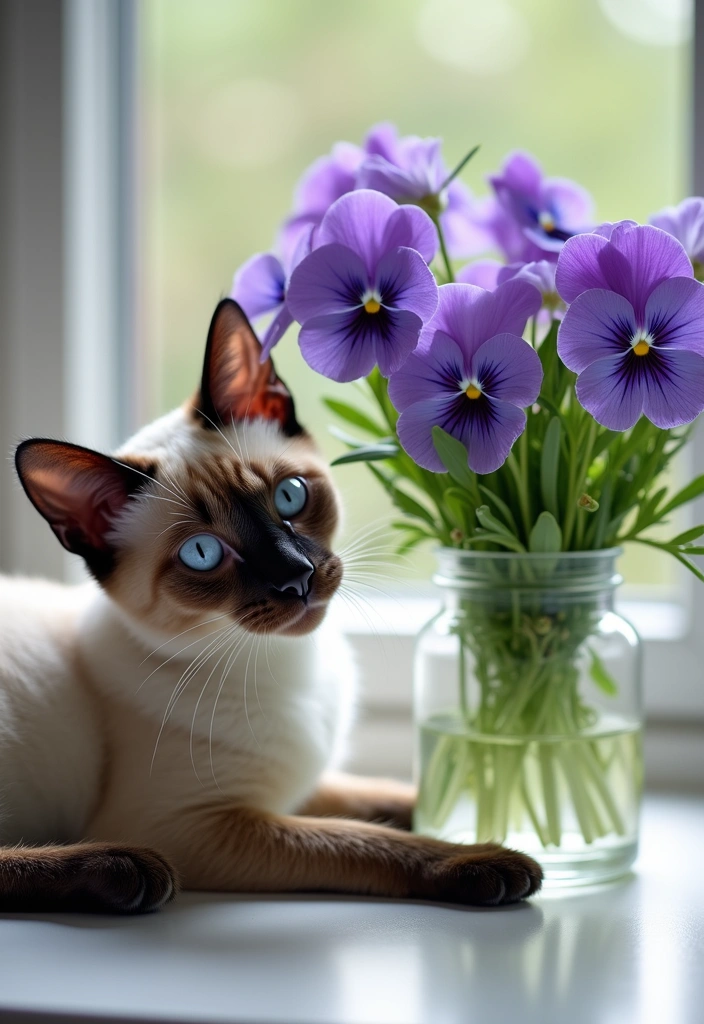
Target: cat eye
201, 552
290, 497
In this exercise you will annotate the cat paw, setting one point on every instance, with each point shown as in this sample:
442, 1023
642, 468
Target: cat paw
485, 876
122, 880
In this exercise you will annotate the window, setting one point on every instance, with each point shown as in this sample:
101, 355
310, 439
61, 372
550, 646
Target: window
160, 148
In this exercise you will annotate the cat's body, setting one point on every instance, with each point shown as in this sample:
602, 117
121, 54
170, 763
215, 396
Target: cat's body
185, 705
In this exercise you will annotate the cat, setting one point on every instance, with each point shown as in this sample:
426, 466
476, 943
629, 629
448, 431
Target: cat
173, 722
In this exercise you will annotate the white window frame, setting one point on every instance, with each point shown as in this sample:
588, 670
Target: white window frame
68, 271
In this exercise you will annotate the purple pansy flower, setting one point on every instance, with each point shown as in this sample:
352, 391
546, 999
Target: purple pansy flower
634, 331
472, 374
260, 286
541, 274
534, 212
686, 223
327, 178
411, 170
365, 291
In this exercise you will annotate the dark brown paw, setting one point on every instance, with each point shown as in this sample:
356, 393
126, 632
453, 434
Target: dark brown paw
486, 876
121, 880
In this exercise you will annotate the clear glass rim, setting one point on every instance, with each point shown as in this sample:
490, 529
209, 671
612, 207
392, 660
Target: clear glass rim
579, 572
516, 556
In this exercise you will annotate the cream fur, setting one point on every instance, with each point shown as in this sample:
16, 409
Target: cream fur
83, 700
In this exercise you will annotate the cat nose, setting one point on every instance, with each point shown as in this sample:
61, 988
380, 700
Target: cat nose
299, 584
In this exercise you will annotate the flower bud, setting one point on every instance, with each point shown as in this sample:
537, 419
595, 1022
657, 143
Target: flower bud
588, 503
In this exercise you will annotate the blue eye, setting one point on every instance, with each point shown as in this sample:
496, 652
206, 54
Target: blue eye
290, 497
202, 552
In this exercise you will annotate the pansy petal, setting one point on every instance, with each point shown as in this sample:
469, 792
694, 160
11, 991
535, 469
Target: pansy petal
382, 139
638, 259
463, 236
358, 220
328, 178
686, 223
578, 266
673, 390
340, 346
482, 273
610, 392
491, 431
275, 331
570, 204
507, 368
435, 373
674, 314
411, 227
404, 281
331, 279
471, 315
379, 174
258, 285
399, 337
415, 428
599, 323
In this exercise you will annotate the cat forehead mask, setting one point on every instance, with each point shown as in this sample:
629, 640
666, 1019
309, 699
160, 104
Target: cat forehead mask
80, 492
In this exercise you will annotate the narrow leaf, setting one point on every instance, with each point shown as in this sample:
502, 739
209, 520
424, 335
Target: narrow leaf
688, 493
546, 535
453, 456
490, 522
602, 678
549, 462
367, 453
502, 507
687, 536
498, 538
351, 415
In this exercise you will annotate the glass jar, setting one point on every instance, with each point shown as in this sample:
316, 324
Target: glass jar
528, 712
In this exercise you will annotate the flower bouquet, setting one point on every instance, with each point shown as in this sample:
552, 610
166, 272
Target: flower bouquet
526, 410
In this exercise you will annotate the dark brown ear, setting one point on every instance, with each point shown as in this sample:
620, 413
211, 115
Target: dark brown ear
236, 385
80, 493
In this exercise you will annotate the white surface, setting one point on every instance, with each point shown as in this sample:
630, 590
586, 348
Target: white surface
629, 953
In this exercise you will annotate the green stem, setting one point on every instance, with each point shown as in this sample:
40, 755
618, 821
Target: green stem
443, 249
521, 492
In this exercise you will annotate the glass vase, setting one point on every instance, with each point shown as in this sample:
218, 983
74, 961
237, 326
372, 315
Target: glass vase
528, 712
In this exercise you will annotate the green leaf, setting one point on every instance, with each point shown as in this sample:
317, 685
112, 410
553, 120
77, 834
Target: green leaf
453, 456
546, 535
687, 536
498, 538
490, 522
351, 415
602, 678
404, 501
456, 501
502, 507
367, 453
549, 462
688, 493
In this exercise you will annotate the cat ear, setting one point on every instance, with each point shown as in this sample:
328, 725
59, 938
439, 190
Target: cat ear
236, 385
79, 492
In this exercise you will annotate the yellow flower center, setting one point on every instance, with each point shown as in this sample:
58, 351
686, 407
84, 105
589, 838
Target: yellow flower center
547, 223
472, 391
642, 348
372, 306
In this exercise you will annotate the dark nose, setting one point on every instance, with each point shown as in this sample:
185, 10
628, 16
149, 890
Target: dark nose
297, 585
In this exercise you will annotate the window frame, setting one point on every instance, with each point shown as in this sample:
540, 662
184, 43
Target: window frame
70, 271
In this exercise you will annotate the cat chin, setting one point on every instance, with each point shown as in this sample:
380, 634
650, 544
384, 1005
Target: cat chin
294, 622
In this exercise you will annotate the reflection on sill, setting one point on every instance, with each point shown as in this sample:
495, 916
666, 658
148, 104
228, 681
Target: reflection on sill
404, 614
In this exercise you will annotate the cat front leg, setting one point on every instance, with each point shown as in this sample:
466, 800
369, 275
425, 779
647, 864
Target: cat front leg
244, 850
384, 801
90, 877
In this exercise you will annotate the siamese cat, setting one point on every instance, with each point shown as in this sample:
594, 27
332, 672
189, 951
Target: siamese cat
177, 722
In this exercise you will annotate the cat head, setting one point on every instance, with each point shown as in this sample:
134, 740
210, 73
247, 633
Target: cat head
221, 507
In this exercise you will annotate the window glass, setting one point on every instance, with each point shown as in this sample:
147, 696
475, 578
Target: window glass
238, 98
